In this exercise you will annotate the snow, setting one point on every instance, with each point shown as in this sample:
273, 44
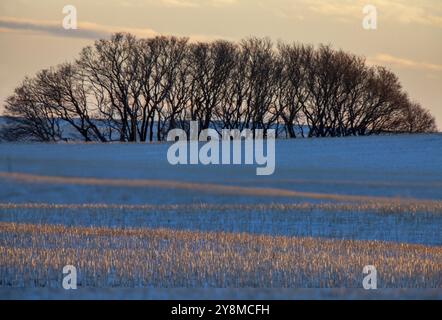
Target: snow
403, 168
407, 167
330, 164
421, 228
221, 294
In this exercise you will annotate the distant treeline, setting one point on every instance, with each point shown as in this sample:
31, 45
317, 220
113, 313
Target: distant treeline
130, 89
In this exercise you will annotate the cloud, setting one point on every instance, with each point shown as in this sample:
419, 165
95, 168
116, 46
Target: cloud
425, 12
86, 30
382, 59
181, 3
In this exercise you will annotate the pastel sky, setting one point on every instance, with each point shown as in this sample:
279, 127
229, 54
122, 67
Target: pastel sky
408, 39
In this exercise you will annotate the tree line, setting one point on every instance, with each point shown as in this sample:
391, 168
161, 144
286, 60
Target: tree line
129, 89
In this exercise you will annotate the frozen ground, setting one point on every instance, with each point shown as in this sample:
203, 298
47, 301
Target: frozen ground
321, 188
393, 166
419, 228
222, 294
311, 170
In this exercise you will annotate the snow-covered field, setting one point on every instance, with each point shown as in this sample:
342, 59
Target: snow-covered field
361, 189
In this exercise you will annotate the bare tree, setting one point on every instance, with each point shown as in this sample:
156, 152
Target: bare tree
65, 90
291, 90
29, 116
112, 68
211, 67
180, 94
262, 76
162, 58
414, 119
141, 89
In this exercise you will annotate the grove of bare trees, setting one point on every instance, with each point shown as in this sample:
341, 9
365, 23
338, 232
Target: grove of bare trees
128, 89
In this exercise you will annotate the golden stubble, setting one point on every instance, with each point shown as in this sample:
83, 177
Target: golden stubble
34, 255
